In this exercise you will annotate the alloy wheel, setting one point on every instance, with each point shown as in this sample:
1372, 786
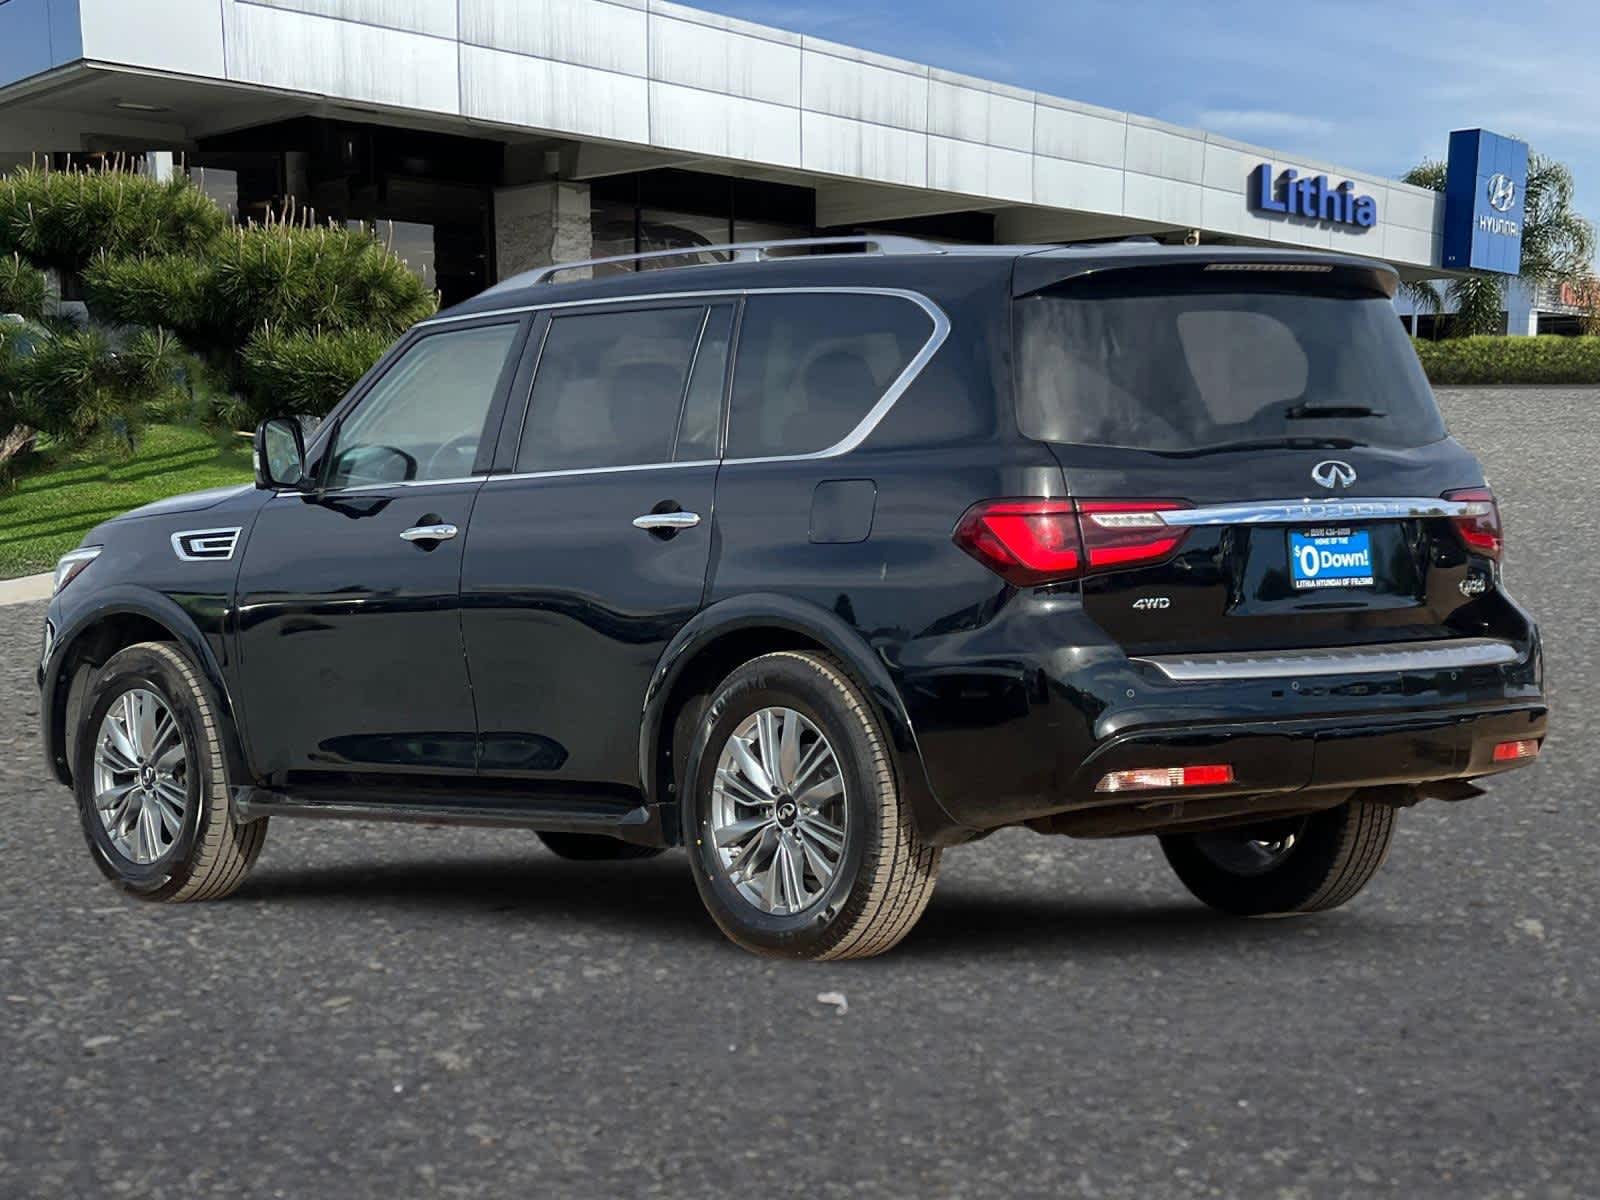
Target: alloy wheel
141, 776
779, 811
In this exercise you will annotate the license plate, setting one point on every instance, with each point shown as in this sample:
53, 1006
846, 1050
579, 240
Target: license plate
1330, 558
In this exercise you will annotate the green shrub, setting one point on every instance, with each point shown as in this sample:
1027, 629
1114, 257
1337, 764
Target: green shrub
79, 386
66, 219
1510, 360
22, 288
306, 373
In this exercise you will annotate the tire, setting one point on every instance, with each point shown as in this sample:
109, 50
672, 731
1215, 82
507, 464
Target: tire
883, 873
595, 847
202, 854
1332, 856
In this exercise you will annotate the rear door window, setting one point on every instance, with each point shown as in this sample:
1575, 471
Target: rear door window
810, 367
1170, 365
611, 386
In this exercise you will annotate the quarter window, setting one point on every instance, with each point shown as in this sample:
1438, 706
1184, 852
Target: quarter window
610, 389
424, 418
810, 367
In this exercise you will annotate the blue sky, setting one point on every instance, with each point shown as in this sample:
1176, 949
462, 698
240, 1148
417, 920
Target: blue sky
1373, 86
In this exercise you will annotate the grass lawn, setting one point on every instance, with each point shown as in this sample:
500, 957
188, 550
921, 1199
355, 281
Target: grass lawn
60, 499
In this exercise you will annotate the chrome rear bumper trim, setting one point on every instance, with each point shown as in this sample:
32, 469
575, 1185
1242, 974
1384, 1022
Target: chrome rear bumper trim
1381, 659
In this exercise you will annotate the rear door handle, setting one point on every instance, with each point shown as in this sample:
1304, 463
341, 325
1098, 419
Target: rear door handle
430, 533
667, 520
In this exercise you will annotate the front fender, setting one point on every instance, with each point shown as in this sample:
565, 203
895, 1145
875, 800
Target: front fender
785, 615
77, 626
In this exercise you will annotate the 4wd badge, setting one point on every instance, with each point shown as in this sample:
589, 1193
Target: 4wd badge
1153, 602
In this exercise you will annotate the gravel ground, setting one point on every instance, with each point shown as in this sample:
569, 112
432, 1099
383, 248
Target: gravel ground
420, 1012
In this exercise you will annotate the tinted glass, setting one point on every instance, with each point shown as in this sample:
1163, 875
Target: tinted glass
424, 419
609, 389
702, 408
1119, 363
810, 366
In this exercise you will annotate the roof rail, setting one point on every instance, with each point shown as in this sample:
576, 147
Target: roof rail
739, 252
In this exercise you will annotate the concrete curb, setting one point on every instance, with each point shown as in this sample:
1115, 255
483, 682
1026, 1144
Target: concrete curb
27, 589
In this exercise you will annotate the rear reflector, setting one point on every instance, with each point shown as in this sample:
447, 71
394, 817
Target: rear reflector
1031, 542
1516, 751
1146, 779
1480, 527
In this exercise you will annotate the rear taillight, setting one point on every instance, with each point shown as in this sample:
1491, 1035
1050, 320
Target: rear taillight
1518, 751
1031, 542
1479, 526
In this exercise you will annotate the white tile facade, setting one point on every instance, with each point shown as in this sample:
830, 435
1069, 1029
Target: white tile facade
653, 73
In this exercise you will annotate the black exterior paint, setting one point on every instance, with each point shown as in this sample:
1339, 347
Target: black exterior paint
533, 664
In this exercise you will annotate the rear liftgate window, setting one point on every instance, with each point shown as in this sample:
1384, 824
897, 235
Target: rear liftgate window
1194, 360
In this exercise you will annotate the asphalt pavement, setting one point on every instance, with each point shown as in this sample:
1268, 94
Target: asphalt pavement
396, 1011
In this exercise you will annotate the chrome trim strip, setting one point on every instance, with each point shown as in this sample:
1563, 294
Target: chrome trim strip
1384, 658
380, 487
206, 545
1287, 512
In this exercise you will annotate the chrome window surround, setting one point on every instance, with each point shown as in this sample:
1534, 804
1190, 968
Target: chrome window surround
1287, 512
863, 429
1379, 659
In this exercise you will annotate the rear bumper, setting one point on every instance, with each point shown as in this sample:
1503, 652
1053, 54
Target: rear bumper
1020, 724
1286, 766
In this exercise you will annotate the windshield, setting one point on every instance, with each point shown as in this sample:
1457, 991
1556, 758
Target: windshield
1152, 364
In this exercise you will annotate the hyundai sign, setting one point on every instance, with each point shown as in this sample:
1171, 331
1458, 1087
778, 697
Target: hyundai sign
1483, 202
1311, 198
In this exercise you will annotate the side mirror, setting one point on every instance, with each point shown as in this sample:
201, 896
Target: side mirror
280, 454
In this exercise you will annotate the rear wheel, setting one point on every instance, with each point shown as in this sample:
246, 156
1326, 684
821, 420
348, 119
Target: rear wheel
1296, 865
800, 844
151, 781
594, 847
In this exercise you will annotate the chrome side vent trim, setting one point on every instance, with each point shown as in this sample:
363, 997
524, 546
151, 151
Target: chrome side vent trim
205, 545
1442, 655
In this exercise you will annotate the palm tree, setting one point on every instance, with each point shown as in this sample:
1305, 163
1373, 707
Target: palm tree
1558, 246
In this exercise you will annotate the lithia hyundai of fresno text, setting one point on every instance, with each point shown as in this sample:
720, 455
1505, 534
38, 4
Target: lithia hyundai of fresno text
817, 562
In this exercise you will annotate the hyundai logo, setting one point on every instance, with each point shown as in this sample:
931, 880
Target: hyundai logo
1333, 473
1502, 192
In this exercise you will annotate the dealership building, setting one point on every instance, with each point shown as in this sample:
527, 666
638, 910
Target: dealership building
488, 136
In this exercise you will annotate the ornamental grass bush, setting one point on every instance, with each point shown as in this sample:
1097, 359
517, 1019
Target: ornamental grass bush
1511, 360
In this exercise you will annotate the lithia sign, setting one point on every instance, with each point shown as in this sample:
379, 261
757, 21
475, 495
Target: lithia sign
1310, 197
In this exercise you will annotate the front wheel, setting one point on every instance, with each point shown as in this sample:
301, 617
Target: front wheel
151, 781
1293, 865
800, 843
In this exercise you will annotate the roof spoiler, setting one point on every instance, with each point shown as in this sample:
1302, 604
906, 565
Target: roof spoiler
1035, 272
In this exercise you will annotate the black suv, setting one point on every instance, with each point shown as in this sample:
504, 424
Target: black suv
815, 563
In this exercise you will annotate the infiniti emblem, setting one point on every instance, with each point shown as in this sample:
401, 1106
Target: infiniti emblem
1332, 473
1502, 192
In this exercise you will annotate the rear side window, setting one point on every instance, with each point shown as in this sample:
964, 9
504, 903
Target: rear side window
1161, 365
610, 389
810, 366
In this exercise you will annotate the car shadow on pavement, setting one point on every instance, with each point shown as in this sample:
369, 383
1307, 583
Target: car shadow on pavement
658, 899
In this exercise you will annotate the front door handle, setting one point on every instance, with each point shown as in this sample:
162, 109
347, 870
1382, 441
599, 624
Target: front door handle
667, 520
430, 533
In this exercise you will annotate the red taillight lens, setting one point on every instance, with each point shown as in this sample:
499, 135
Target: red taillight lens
1125, 533
1025, 542
1480, 527
1146, 779
1029, 542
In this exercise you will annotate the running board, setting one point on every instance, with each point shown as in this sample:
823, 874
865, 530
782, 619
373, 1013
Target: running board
640, 824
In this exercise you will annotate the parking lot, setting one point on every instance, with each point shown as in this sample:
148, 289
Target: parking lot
396, 1010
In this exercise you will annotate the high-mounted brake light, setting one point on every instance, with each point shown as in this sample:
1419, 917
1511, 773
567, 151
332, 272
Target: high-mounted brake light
1146, 779
1030, 542
1479, 527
